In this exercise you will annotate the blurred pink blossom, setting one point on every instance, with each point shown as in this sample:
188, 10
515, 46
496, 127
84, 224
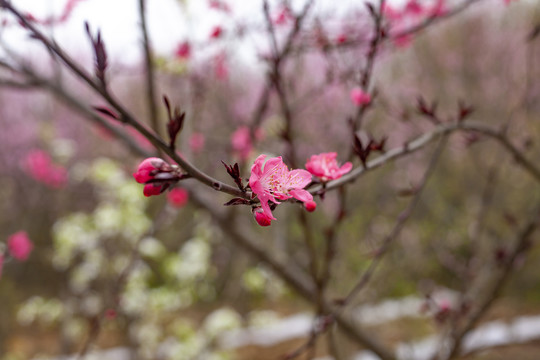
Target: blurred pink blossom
283, 16
325, 166
219, 5
220, 67
20, 245
183, 51
403, 41
216, 32
178, 197
241, 142
359, 97
272, 180
38, 164
341, 38
196, 142
413, 7
438, 9
391, 13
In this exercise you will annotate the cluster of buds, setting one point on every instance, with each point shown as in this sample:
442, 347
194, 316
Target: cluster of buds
157, 175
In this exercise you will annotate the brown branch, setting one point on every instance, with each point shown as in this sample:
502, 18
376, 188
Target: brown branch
435, 19
292, 275
497, 277
125, 116
399, 225
149, 67
423, 140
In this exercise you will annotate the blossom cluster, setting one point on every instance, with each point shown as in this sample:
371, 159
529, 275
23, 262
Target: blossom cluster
271, 181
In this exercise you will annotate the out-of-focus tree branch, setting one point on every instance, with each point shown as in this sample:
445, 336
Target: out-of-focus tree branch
487, 288
149, 70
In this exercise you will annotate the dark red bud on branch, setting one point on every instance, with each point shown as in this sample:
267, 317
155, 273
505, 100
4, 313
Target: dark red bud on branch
464, 111
234, 172
100, 54
430, 111
106, 111
176, 121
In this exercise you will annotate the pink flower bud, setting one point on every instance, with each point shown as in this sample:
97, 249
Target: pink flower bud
148, 169
310, 205
20, 245
178, 197
359, 97
261, 218
152, 189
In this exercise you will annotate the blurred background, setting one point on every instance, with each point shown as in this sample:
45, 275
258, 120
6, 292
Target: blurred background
156, 278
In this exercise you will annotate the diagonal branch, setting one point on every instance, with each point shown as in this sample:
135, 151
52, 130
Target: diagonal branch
150, 77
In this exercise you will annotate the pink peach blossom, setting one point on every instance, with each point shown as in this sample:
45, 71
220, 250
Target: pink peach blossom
20, 245
359, 97
326, 167
273, 180
241, 142
38, 164
178, 197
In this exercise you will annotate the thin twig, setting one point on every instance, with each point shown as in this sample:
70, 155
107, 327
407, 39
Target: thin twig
149, 67
399, 225
497, 279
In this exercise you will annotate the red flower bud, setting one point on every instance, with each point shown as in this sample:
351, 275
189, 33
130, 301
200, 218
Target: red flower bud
310, 205
261, 218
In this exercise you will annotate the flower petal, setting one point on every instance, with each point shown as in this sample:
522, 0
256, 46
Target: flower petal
301, 194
